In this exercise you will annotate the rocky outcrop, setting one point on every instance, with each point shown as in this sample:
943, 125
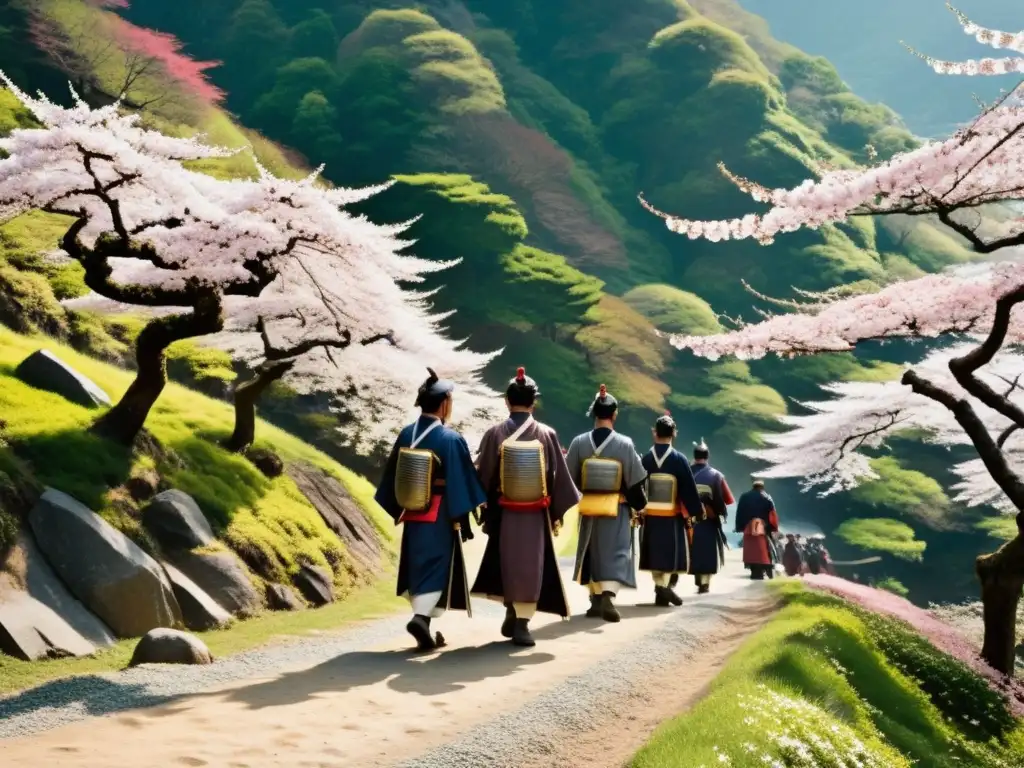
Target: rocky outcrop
39, 618
222, 576
176, 522
315, 584
103, 568
170, 646
44, 370
345, 517
199, 611
282, 598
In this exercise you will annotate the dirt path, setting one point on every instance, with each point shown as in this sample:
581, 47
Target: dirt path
380, 705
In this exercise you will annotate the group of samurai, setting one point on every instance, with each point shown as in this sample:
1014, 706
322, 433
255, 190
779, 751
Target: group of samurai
520, 487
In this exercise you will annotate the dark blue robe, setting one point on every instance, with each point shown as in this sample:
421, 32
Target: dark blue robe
664, 545
707, 552
431, 558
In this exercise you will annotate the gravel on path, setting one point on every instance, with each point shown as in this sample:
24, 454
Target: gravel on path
62, 702
520, 736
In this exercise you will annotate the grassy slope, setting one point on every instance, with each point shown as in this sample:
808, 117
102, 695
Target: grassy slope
48, 435
823, 677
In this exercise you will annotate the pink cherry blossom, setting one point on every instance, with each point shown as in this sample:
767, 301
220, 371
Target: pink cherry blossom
274, 253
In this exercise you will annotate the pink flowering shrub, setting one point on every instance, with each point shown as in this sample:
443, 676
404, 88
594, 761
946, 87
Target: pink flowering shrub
938, 634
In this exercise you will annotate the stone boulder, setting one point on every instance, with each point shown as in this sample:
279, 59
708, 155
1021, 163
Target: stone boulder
315, 584
39, 618
282, 598
102, 567
198, 610
266, 461
44, 370
170, 646
222, 576
330, 498
143, 484
176, 522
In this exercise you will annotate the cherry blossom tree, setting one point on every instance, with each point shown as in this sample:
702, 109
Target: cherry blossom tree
964, 394
374, 381
151, 233
110, 59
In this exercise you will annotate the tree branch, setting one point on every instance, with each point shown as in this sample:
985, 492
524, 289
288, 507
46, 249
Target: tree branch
965, 415
965, 367
276, 354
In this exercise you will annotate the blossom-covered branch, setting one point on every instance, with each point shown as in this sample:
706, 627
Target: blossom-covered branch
980, 164
959, 301
827, 447
991, 37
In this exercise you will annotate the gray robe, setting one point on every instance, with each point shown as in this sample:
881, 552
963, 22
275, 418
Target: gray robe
606, 550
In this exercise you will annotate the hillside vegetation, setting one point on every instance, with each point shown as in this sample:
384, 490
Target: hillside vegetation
522, 131
827, 684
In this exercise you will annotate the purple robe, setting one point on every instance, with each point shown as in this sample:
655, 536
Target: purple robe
519, 563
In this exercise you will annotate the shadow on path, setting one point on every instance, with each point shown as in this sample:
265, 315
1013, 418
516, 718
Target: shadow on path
405, 671
431, 675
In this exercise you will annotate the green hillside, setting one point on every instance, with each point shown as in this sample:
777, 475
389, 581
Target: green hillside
828, 684
522, 131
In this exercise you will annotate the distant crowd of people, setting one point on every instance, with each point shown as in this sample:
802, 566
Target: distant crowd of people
519, 489
801, 556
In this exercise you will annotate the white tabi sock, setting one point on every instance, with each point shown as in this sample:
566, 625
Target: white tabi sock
661, 579
611, 586
426, 605
524, 610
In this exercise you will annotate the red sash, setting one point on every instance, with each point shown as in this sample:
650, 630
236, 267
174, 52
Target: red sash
524, 506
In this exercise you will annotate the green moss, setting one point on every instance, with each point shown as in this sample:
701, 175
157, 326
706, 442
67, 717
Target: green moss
882, 535
815, 73
13, 114
925, 245
838, 260
194, 362
699, 47
739, 92
27, 303
448, 71
672, 310
903, 491
560, 293
384, 28
623, 345
499, 212
899, 267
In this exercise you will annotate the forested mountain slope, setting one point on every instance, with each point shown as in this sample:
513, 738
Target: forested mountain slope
522, 131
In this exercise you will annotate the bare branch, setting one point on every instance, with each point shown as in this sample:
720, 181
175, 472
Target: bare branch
965, 415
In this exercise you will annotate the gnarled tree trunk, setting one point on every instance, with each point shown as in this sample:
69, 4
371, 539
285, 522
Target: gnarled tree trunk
1002, 578
246, 395
125, 420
